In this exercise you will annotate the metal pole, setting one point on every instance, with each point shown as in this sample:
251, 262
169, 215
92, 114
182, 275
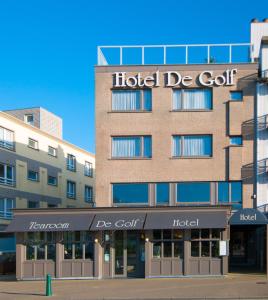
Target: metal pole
121, 55
208, 54
230, 54
48, 286
186, 55
142, 55
165, 54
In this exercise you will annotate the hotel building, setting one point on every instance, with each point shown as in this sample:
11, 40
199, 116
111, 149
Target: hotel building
181, 181
38, 169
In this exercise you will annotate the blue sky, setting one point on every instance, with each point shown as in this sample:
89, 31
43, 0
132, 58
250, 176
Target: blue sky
48, 47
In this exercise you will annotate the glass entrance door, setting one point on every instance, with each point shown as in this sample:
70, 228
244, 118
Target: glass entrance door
129, 254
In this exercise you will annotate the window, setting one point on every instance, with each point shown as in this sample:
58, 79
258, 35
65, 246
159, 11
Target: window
71, 189
71, 162
33, 144
29, 119
162, 193
7, 138
33, 175
52, 151
230, 193
205, 242
168, 243
51, 180
132, 100
40, 245
188, 192
236, 140
33, 204
7, 175
49, 205
6, 205
78, 245
192, 99
130, 193
88, 194
236, 95
132, 147
192, 146
88, 169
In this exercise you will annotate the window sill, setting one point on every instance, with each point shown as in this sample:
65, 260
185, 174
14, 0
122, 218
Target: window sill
36, 149
128, 111
72, 170
235, 100
130, 158
70, 197
191, 110
33, 180
191, 157
239, 146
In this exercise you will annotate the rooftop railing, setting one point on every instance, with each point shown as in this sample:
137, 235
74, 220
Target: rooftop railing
175, 54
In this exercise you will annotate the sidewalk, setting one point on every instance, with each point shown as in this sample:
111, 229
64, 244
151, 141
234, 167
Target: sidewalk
230, 287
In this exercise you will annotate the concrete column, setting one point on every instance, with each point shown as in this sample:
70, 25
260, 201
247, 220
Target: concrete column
20, 256
187, 252
148, 252
59, 259
98, 255
225, 259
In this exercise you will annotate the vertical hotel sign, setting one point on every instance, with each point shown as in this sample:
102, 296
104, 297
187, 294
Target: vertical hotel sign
173, 79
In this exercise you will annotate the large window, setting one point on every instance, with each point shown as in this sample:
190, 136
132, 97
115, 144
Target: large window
71, 162
205, 242
132, 100
162, 193
40, 246
71, 189
132, 147
168, 243
33, 204
130, 193
7, 138
7, 175
192, 99
52, 180
78, 245
6, 205
88, 169
230, 193
192, 146
88, 194
193, 192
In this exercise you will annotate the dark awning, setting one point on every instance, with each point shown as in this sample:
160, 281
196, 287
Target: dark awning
118, 221
50, 222
248, 216
186, 220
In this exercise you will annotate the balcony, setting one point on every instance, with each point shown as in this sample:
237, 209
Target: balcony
6, 214
175, 54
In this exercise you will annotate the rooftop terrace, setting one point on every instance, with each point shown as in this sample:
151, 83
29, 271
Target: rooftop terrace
175, 54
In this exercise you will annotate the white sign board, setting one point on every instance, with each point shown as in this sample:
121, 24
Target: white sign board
224, 248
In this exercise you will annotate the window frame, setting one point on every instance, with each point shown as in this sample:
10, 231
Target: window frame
36, 179
50, 176
36, 147
5, 180
91, 198
7, 213
236, 91
3, 143
88, 171
25, 118
142, 149
169, 194
68, 194
142, 102
71, 166
54, 150
130, 203
183, 100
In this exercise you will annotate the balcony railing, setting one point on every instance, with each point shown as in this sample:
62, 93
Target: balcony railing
6, 214
175, 54
7, 181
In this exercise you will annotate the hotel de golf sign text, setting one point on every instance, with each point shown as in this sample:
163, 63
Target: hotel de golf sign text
174, 79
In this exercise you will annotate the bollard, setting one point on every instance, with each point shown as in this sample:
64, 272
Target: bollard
48, 285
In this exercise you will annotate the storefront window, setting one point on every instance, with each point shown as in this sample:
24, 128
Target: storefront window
78, 245
168, 243
205, 242
107, 246
40, 246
